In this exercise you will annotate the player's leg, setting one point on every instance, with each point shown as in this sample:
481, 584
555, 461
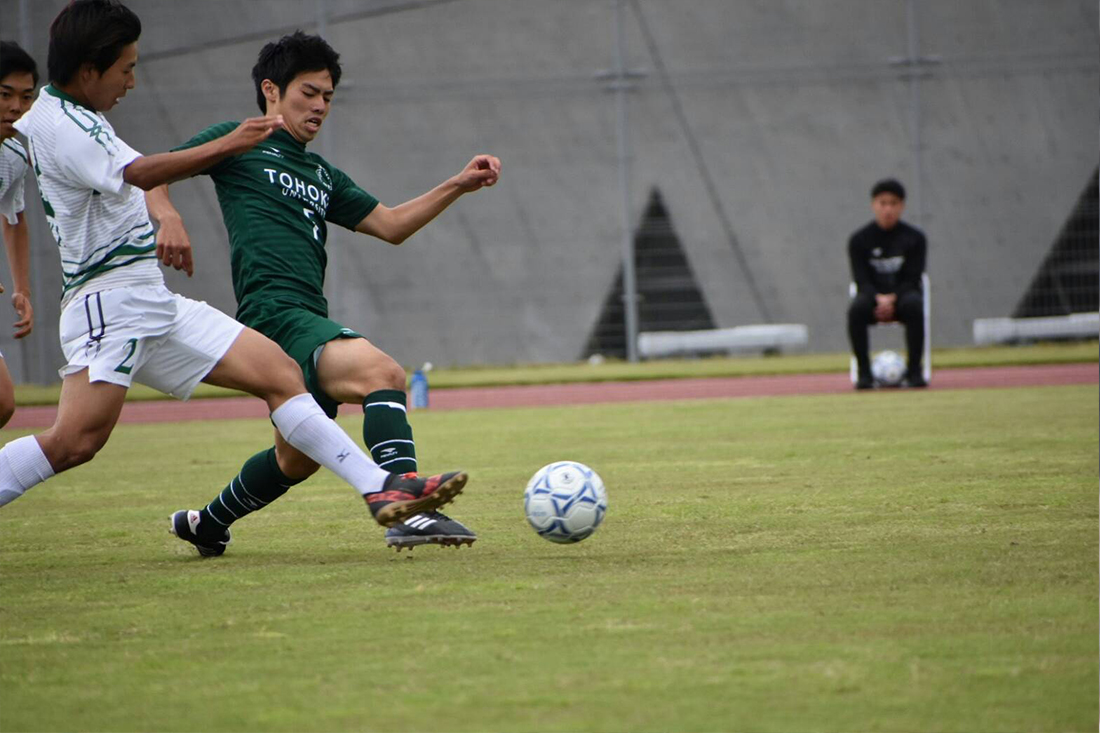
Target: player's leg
7, 394
861, 314
105, 337
354, 371
264, 478
86, 415
259, 366
910, 311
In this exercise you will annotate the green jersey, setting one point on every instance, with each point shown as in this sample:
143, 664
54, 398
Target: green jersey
276, 200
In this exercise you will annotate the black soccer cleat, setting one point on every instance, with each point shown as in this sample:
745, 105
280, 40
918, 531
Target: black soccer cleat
186, 524
434, 528
914, 381
865, 381
404, 495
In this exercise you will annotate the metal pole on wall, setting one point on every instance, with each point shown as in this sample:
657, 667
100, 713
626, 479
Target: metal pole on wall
25, 26
321, 11
332, 276
915, 66
913, 54
630, 285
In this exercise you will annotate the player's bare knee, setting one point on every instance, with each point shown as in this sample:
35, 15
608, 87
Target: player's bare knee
284, 378
392, 375
7, 395
7, 409
379, 372
70, 451
87, 445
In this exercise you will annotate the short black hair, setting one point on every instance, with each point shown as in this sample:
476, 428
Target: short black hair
888, 185
14, 60
282, 60
89, 31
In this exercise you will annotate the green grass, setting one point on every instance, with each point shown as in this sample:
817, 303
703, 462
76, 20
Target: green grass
608, 371
884, 562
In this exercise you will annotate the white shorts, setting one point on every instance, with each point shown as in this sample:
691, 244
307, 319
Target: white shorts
146, 334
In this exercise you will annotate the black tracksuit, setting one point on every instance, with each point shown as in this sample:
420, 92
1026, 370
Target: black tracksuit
887, 261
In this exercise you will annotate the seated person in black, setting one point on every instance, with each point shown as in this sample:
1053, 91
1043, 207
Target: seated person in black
887, 258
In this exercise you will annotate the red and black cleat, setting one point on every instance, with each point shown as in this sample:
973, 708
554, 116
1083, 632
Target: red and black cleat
404, 495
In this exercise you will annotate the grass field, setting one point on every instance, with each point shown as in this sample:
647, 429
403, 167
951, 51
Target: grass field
898, 561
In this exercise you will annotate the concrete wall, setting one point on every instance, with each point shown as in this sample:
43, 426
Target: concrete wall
762, 123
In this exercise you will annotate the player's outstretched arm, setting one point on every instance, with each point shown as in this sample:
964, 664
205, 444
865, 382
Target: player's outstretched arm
173, 244
150, 171
17, 243
395, 225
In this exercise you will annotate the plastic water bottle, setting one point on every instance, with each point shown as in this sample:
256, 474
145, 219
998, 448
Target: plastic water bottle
418, 388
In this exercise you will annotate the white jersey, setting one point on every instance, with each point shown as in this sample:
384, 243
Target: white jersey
100, 222
13, 169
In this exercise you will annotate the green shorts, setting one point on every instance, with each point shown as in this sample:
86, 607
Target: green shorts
301, 334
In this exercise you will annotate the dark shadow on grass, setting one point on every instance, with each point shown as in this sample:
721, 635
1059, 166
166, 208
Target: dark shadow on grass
252, 559
258, 557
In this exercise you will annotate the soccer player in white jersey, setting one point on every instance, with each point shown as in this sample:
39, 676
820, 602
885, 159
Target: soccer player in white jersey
20, 77
119, 323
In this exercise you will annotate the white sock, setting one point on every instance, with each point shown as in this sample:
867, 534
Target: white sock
22, 466
304, 425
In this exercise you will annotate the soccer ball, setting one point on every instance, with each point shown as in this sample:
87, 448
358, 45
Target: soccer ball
888, 368
565, 501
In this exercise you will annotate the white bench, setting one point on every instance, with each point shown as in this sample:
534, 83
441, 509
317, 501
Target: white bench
739, 339
989, 331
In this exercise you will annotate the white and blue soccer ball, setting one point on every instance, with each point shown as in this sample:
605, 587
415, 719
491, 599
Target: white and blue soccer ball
888, 368
565, 501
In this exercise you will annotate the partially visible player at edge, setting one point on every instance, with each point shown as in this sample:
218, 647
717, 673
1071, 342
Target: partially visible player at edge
277, 201
119, 323
20, 77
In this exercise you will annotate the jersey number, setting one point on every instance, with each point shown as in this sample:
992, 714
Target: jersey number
309, 215
123, 366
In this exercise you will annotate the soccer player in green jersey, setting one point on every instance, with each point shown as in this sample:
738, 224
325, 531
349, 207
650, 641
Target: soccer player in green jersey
277, 201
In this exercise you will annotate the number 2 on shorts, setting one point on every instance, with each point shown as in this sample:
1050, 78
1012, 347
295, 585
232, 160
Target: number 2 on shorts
123, 366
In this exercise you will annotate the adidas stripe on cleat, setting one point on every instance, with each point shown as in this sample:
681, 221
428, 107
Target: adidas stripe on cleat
433, 528
186, 525
404, 495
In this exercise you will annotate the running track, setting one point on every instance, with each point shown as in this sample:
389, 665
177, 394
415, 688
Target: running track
602, 392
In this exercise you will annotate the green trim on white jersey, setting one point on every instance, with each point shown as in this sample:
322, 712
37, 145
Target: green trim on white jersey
100, 222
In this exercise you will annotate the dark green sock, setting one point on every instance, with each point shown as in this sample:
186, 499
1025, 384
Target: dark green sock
259, 483
386, 431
